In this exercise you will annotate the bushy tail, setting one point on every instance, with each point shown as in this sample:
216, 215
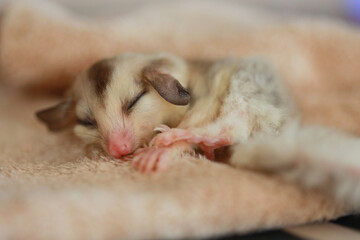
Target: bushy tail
312, 156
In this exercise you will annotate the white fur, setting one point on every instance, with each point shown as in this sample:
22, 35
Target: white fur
312, 156
263, 123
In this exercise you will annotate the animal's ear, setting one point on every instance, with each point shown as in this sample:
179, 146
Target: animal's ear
166, 85
59, 116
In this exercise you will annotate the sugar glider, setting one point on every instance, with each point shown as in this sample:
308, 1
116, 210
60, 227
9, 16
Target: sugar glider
205, 105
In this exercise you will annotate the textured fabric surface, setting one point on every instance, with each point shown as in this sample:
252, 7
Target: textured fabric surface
50, 187
346, 228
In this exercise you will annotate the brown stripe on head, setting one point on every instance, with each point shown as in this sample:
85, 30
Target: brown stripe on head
99, 75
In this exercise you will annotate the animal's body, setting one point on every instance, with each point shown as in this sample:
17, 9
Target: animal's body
198, 104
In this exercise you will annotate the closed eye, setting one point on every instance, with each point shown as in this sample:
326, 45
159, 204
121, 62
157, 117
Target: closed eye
87, 122
136, 99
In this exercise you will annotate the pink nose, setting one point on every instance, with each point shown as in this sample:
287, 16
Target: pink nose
120, 144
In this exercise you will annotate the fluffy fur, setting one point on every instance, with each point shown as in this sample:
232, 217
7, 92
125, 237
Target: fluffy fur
51, 190
312, 156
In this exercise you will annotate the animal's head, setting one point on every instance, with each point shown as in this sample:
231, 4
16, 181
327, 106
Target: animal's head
118, 101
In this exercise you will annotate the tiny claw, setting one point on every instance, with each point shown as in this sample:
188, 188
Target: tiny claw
162, 128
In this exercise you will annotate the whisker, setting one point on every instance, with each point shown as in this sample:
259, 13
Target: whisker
92, 135
123, 120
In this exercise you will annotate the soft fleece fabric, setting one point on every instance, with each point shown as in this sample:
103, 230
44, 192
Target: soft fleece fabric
51, 189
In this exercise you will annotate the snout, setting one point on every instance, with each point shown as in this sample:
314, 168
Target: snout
120, 144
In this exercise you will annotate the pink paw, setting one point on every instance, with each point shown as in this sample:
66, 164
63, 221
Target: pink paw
149, 159
208, 144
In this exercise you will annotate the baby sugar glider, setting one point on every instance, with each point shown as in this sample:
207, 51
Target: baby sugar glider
119, 101
197, 104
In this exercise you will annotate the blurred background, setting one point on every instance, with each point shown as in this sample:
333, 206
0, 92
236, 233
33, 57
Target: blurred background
347, 10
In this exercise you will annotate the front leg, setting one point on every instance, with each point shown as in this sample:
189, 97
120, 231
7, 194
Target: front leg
171, 143
207, 143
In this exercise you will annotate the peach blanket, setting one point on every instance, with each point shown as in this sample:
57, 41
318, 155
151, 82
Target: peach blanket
51, 190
